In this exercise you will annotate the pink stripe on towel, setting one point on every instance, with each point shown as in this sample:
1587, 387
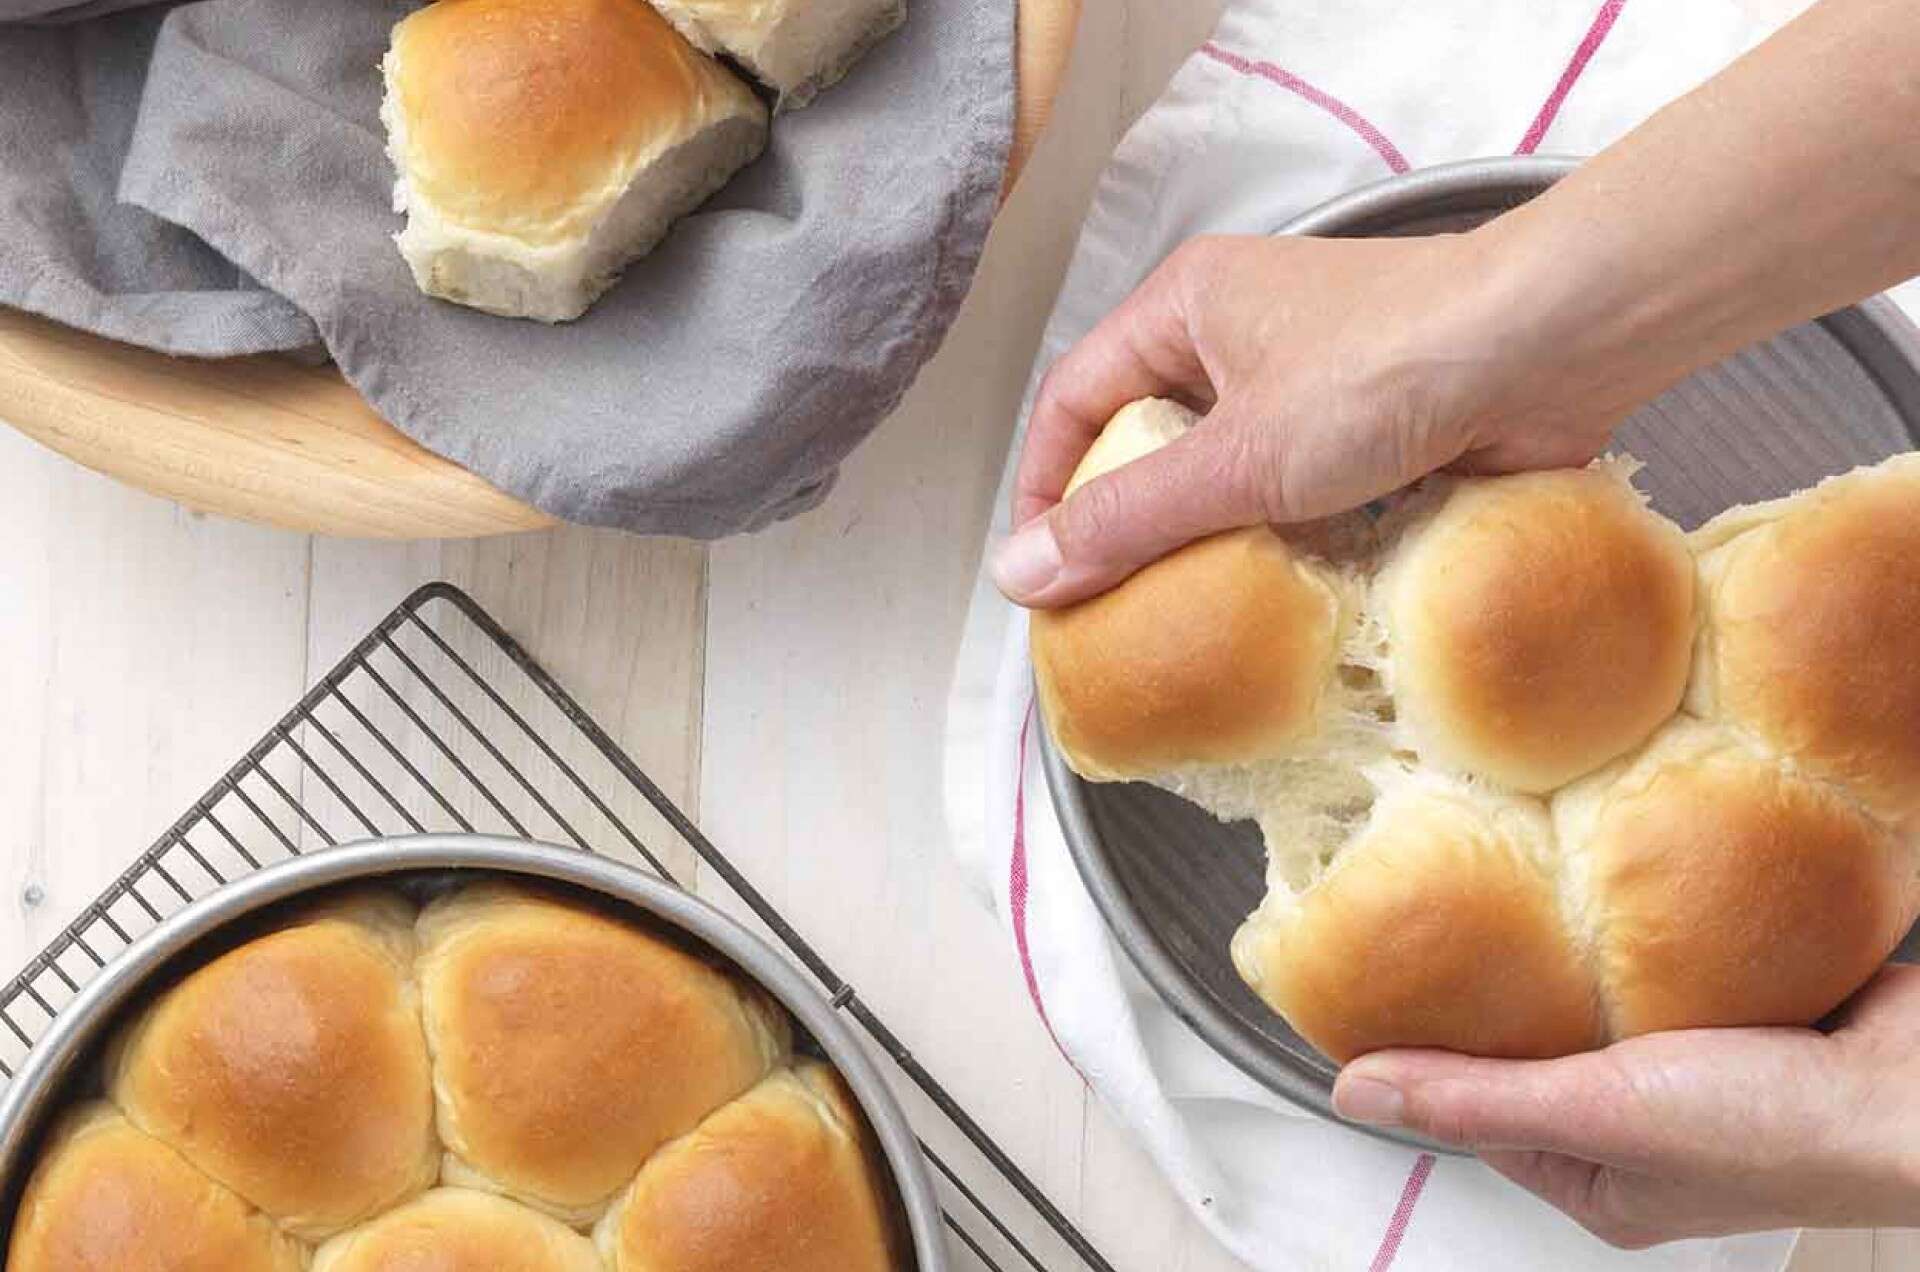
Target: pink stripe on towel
1402, 1214
1346, 114
1589, 45
1017, 882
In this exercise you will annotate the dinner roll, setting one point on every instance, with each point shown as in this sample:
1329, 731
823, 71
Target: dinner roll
781, 1178
1539, 625
106, 1197
1813, 632
1721, 889
569, 1045
456, 1230
1488, 826
1223, 653
541, 145
293, 1069
795, 46
1438, 925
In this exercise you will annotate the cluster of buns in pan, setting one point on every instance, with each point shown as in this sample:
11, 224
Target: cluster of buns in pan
505, 1081
542, 145
1535, 769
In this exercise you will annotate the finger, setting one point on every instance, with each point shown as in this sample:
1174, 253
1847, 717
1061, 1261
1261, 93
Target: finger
1584, 1106
1142, 349
1197, 485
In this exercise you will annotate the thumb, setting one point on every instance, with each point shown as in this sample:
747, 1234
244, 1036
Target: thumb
1591, 1106
1201, 483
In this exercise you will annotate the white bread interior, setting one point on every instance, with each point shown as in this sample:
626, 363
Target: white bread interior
795, 47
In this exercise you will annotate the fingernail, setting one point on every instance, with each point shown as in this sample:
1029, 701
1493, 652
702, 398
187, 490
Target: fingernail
1027, 561
1371, 1101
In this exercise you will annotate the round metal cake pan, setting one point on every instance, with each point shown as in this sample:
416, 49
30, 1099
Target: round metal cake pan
63, 1064
1173, 884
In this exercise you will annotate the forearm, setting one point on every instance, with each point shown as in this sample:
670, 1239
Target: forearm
1786, 187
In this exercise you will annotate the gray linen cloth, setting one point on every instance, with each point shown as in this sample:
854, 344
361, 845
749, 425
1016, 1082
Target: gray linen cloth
211, 179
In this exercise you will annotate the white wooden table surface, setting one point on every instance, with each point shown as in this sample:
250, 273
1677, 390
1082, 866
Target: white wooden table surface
786, 688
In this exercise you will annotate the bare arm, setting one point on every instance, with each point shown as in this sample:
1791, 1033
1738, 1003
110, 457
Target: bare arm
1336, 371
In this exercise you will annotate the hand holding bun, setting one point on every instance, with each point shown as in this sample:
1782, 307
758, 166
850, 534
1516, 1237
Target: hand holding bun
1157, 675
1489, 829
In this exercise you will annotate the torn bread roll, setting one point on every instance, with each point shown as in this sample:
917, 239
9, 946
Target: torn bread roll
1440, 924
795, 47
1214, 667
1812, 640
1490, 826
542, 145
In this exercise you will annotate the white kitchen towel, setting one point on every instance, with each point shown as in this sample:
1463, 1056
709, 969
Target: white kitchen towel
1290, 103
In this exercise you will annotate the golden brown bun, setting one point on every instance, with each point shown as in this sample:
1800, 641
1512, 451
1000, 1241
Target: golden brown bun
1221, 653
1540, 626
293, 1069
107, 1198
1725, 891
1813, 636
456, 1230
781, 1178
1438, 926
540, 144
568, 1046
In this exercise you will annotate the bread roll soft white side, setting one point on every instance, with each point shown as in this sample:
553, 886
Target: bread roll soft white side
796, 47
457, 1230
782, 1178
1439, 925
105, 1195
568, 1046
1721, 889
541, 145
293, 1068
1539, 625
1812, 635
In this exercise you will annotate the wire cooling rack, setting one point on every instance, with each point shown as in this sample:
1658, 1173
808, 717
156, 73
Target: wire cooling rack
412, 733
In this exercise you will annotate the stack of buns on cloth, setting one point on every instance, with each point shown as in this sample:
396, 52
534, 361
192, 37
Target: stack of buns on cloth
542, 145
1535, 769
506, 1081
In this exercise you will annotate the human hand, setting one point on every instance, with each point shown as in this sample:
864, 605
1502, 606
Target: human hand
1690, 1134
1331, 371
1338, 370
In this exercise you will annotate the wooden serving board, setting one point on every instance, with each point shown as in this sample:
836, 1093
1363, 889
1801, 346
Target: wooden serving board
266, 439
